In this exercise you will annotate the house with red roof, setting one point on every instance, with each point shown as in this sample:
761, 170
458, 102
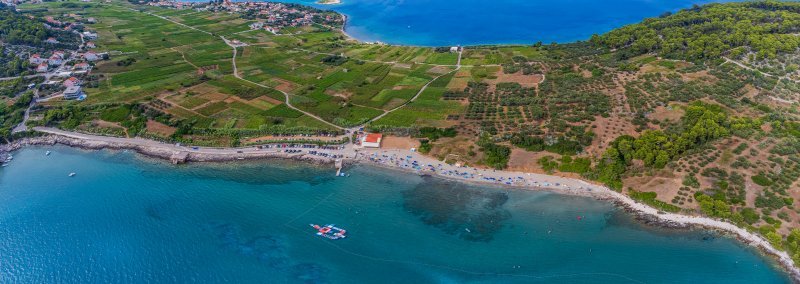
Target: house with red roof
83, 66
42, 68
36, 59
72, 82
55, 60
372, 140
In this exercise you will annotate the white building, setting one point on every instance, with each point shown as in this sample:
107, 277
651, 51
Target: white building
372, 140
256, 25
36, 59
89, 35
91, 56
72, 93
55, 60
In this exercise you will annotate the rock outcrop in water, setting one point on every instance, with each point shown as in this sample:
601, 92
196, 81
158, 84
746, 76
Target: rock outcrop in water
457, 209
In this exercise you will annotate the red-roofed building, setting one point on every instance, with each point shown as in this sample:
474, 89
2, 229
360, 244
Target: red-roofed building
36, 59
81, 66
71, 82
372, 140
42, 68
55, 60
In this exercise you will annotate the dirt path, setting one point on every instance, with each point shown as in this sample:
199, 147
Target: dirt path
286, 95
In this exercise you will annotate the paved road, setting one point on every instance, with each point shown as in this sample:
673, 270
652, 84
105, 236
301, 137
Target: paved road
17, 77
22, 127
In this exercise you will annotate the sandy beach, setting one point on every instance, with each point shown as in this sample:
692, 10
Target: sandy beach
402, 159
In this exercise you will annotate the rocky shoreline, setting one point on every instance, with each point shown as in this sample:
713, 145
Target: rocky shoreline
153, 152
643, 213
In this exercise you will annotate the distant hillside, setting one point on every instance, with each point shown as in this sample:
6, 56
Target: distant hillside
766, 28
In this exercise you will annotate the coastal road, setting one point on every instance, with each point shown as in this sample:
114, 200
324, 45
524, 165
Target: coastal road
22, 127
141, 142
17, 77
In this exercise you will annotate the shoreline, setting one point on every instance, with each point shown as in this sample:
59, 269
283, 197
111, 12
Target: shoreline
642, 212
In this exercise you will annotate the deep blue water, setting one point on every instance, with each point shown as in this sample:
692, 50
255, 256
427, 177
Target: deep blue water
474, 22
128, 219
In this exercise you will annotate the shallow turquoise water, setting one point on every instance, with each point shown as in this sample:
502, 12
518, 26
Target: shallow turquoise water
474, 22
129, 219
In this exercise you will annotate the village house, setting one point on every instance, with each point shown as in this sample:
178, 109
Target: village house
36, 59
51, 40
90, 35
41, 68
372, 140
273, 30
72, 82
91, 56
256, 25
55, 60
83, 66
90, 45
72, 93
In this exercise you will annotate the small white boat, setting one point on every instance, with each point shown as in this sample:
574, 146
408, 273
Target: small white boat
72, 174
47, 154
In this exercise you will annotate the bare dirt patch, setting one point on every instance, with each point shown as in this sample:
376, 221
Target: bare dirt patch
160, 128
662, 113
526, 161
666, 187
214, 97
439, 70
395, 142
283, 85
269, 100
339, 93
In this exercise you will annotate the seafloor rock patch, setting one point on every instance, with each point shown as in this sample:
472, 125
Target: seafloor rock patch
458, 209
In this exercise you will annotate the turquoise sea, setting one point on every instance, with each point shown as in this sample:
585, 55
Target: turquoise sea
475, 22
128, 219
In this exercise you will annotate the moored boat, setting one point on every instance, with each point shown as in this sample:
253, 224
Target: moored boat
329, 231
